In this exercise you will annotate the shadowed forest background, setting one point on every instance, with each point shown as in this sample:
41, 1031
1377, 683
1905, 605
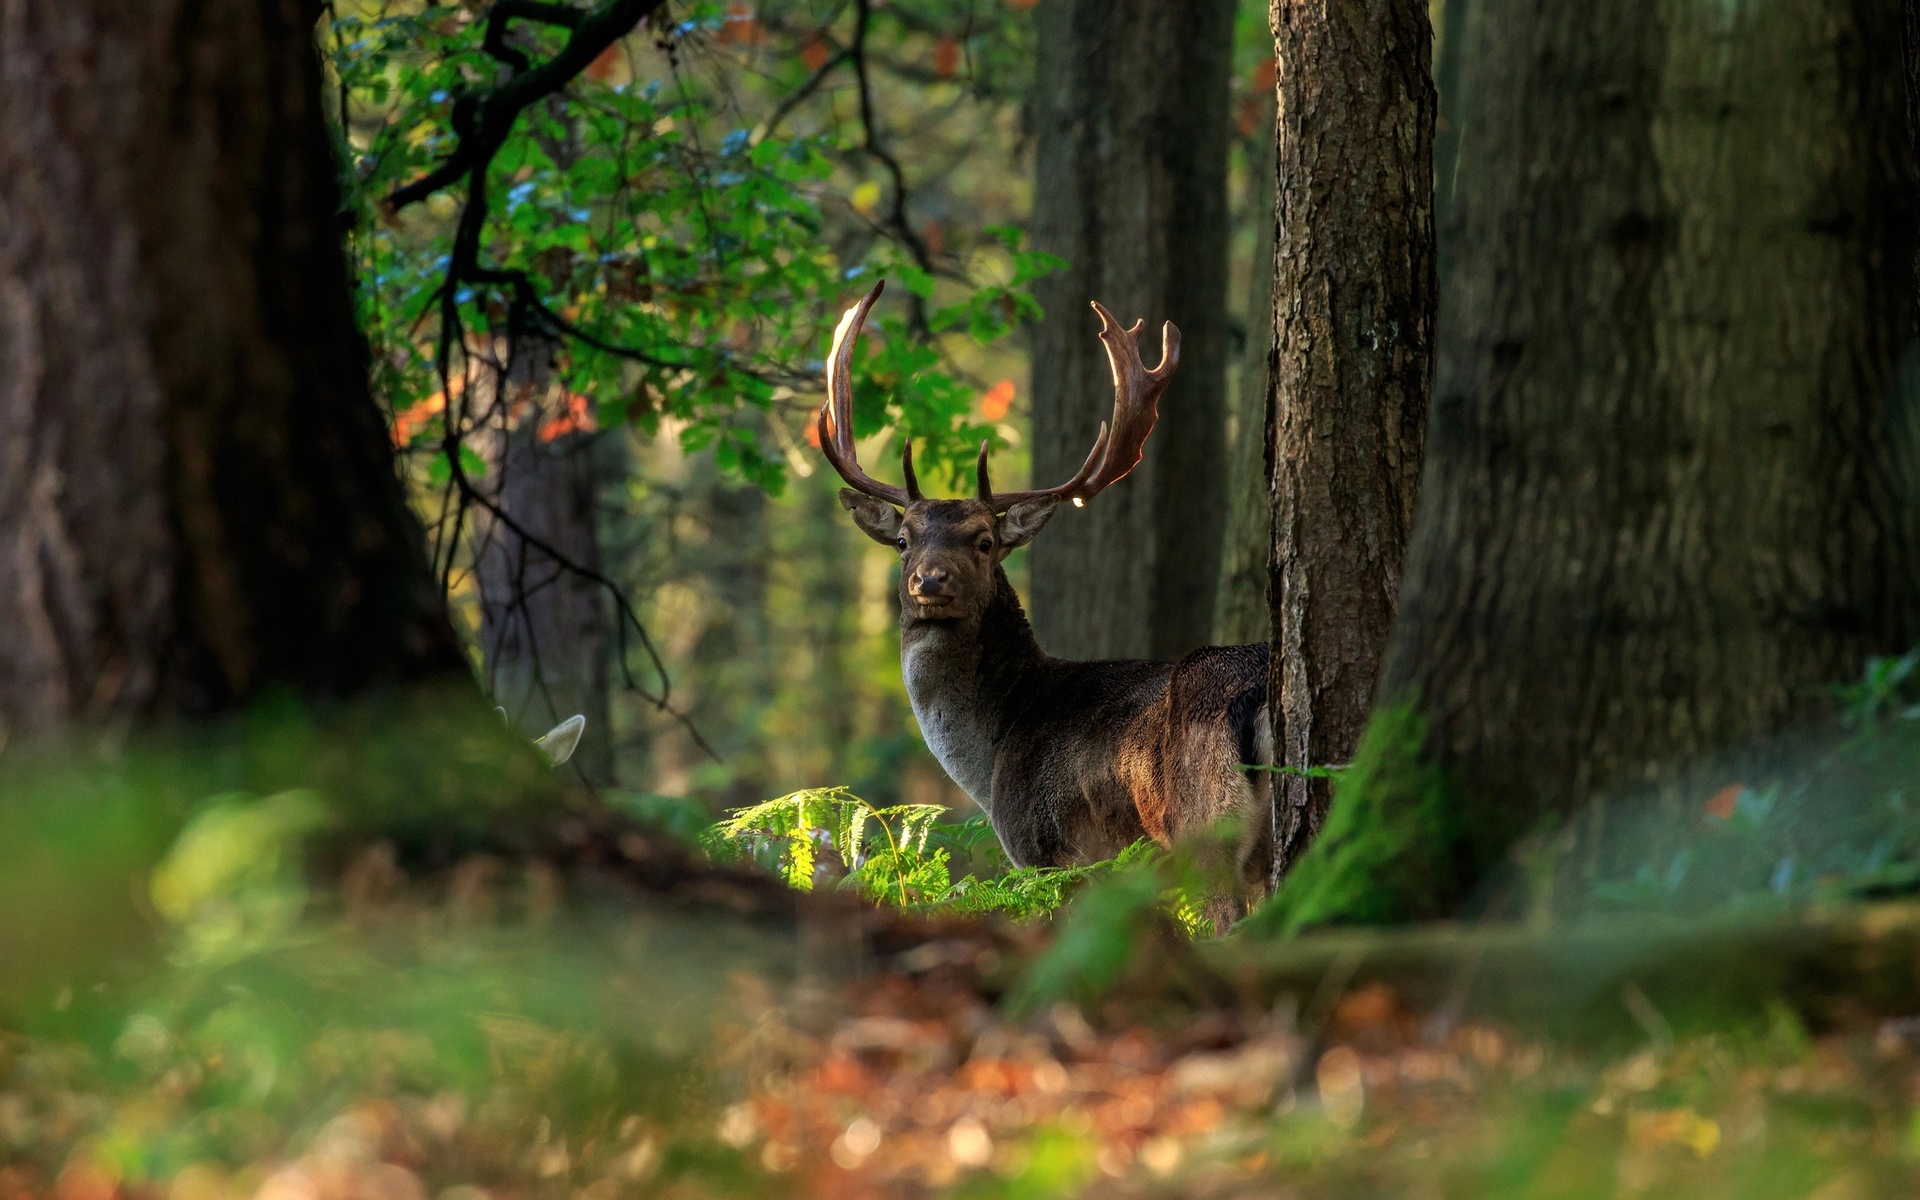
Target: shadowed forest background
454, 741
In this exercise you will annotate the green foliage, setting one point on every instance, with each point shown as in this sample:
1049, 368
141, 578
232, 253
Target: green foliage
900, 854
181, 991
233, 881
882, 850
692, 255
1098, 937
1888, 690
680, 817
1385, 851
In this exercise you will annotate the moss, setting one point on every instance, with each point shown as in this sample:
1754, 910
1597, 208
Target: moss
1389, 848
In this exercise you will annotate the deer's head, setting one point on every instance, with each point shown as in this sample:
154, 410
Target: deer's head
949, 549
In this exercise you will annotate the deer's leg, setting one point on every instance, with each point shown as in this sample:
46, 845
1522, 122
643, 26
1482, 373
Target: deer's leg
1023, 814
1256, 843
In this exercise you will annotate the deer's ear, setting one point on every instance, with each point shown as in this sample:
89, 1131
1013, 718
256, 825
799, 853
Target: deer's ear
875, 517
1026, 519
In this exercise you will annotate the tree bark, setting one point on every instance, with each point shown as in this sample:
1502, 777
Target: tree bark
546, 629
197, 497
1131, 113
1910, 47
1352, 367
1665, 503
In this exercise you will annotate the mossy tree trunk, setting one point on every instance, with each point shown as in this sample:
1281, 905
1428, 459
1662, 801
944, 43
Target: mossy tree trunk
1352, 364
1665, 502
197, 495
1130, 109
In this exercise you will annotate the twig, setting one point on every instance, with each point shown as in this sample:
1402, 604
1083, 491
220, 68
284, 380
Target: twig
800, 94
482, 125
488, 120
897, 218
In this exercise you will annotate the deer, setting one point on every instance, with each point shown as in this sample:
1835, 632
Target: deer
1072, 762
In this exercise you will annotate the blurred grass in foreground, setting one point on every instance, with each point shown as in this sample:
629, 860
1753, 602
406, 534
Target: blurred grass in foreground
331, 957
314, 956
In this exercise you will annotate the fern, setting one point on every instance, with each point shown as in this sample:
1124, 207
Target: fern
901, 855
883, 850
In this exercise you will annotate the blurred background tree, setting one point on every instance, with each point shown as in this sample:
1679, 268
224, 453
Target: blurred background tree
1131, 131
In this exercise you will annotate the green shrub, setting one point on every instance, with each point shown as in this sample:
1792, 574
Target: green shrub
901, 855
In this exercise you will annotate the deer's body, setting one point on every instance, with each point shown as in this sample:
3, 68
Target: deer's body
1072, 761
1075, 761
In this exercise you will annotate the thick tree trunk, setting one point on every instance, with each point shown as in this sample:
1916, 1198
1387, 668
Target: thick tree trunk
1664, 505
1130, 106
1241, 613
545, 628
1910, 45
1353, 344
197, 498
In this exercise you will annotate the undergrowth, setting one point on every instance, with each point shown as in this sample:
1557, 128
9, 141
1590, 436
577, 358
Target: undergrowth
904, 855
1384, 848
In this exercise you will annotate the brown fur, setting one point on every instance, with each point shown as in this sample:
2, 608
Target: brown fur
1072, 761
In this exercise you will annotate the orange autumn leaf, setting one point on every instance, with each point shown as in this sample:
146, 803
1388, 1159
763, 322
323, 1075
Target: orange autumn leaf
1371, 1007
411, 420
946, 57
741, 27
813, 434
1722, 802
997, 400
578, 418
815, 53
1261, 80
605, 64
1248, 113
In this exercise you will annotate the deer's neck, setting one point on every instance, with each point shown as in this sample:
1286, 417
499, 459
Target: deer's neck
964, 679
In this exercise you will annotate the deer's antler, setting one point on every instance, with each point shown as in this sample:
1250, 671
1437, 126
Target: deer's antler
1116, 451
836, 415
1136, 403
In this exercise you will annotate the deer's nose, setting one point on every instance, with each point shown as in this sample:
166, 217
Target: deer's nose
930, 581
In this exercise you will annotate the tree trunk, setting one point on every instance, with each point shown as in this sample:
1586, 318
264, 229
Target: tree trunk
1449, 32
1910, 45
197, 497
545, 629
1664, 505
1241, 616
1131, 114
1353, 339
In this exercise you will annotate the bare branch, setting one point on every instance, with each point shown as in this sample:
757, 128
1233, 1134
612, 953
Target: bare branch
897, 218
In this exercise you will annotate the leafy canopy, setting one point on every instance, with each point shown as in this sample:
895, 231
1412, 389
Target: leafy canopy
686, 253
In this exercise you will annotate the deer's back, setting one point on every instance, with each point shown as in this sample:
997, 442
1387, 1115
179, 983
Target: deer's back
1111, 752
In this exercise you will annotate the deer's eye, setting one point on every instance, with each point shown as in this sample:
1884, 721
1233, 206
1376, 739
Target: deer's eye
901, 542
986, 545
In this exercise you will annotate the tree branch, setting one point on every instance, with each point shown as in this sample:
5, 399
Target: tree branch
493, 115
805, 90
897, 218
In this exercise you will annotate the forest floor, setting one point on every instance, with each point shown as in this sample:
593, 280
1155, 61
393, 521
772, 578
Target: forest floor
470, 1049
215, 985
923, 1086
